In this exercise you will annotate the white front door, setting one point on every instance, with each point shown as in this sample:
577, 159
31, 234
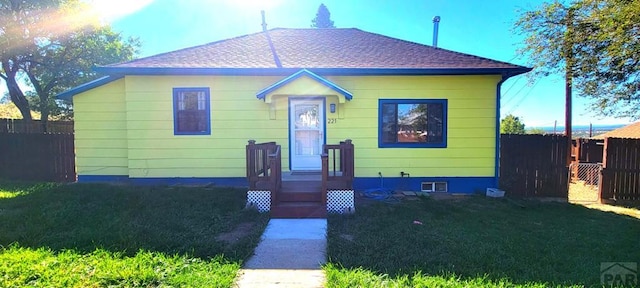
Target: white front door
306, 133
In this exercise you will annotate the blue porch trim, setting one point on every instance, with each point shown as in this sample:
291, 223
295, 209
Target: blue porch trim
466, 185
67, 95
304, 72
103, 179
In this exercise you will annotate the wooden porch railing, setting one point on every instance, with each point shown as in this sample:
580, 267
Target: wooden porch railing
337, 167
264, 167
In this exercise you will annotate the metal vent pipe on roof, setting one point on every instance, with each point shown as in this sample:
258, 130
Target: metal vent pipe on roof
264, 22
436, 21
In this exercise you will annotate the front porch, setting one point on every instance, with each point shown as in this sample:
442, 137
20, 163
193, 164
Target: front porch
300, 194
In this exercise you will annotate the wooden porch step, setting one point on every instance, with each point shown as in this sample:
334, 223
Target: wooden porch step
301, 186
299, 210
299, 196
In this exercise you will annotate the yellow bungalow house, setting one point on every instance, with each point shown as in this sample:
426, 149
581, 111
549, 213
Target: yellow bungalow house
423, 118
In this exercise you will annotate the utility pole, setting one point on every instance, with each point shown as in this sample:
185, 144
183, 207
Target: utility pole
568, 45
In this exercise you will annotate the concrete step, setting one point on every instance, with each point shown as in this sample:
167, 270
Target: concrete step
299, 210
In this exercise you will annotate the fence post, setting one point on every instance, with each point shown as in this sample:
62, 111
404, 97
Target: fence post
250, 163
603, 177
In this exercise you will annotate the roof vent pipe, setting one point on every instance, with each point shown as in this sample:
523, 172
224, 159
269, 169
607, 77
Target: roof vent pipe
436, 21
264, 22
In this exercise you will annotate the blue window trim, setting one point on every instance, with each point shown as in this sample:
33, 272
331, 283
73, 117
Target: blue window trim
207, 100
443, 144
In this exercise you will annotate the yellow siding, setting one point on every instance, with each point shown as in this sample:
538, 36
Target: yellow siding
144, 145
100, 130
236, 116
470, 135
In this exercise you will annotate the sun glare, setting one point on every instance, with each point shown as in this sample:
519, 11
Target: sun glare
111, 10
254, 4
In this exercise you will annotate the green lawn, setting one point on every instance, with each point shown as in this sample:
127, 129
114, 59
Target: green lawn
55, 235
477, 242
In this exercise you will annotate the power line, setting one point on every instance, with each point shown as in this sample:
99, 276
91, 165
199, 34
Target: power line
524, 97
514, 95
512, 84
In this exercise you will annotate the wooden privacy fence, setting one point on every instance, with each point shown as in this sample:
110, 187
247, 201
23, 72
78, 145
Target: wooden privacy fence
34, 126
37, 157
621, 170
534, 165
587, 150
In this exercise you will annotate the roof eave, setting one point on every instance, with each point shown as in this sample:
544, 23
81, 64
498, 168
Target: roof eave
68, 95
322, 71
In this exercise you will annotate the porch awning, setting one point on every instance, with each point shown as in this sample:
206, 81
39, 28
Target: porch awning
304, 82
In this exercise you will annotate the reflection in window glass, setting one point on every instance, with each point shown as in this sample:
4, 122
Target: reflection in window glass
307, 116
412, 122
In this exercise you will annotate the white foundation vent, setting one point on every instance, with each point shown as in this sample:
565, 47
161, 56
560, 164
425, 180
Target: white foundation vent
433, 187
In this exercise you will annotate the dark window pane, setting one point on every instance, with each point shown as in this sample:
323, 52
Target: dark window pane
191, 115
389, 127
435, 113
412, 122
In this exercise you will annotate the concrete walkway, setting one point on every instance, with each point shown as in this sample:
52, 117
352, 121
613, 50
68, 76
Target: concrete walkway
290, 255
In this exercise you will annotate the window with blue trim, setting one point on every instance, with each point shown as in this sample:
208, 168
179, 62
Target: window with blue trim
412, 123
191, 111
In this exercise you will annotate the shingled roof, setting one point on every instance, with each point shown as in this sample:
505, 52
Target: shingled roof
339, 49
629, 131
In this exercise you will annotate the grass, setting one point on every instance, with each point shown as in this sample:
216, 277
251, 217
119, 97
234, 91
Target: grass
477, 242
56, 235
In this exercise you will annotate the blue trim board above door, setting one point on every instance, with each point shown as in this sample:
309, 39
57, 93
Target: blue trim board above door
304, 72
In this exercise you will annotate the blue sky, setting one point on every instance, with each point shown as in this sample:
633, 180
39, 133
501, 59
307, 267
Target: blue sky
482, 28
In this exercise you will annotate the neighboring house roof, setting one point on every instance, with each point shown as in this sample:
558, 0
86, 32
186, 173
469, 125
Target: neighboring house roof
629, 131
318, 49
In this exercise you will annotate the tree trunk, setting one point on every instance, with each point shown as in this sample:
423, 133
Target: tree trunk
15, 93
44, 113
17, 97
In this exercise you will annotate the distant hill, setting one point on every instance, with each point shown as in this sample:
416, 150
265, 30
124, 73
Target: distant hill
582, 131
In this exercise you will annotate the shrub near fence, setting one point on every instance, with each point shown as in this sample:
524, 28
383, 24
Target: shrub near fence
37, 157
621, 170
534, 165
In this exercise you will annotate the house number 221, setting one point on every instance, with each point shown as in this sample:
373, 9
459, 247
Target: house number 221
332, 120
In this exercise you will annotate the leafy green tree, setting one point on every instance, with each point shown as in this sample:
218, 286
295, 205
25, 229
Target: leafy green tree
44, 44
22, 25
69, 63
511, 125
323, 18
595, 42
